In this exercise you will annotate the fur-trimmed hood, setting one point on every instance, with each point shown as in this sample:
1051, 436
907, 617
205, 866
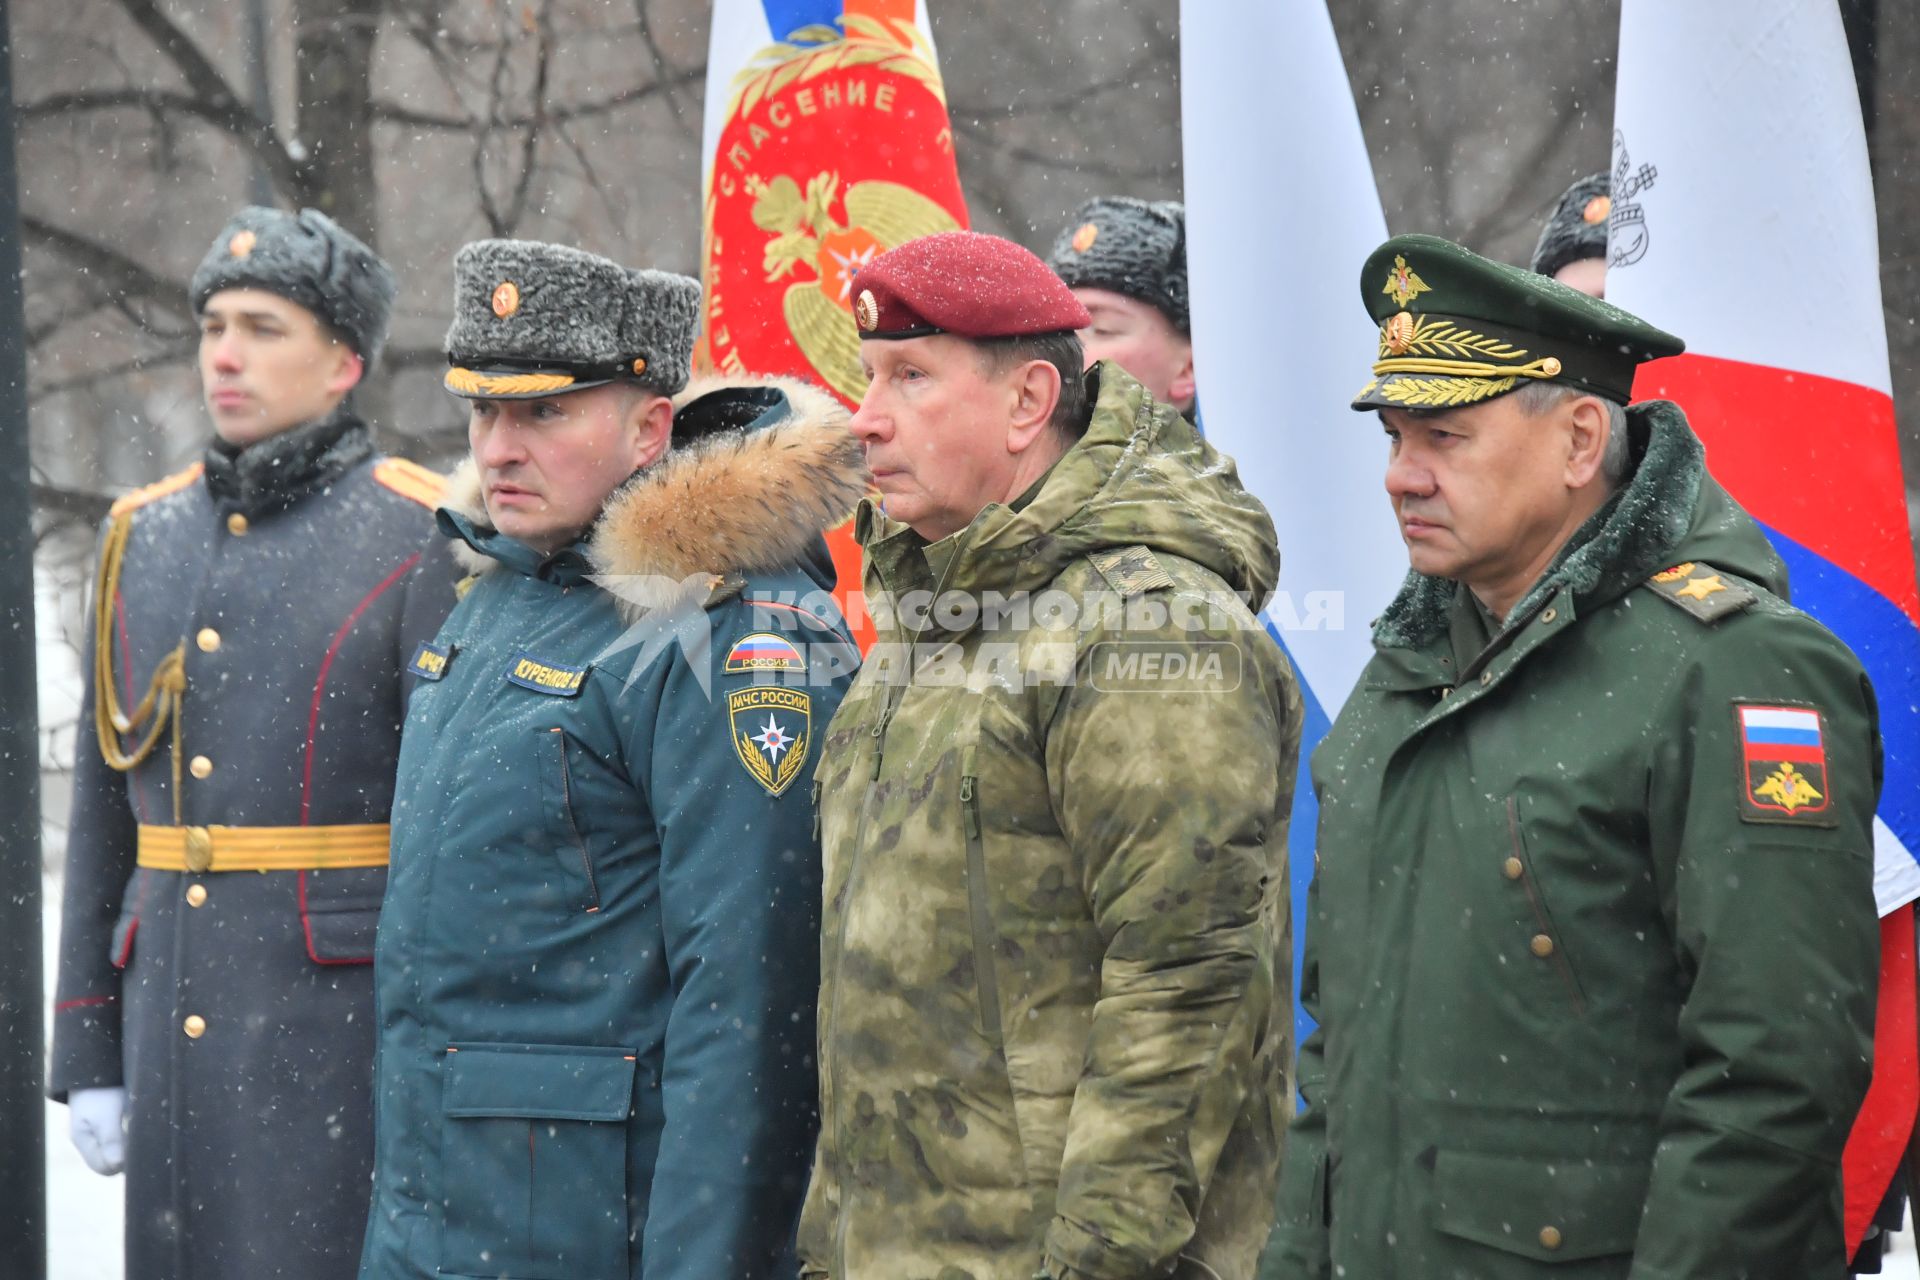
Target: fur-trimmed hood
1670, 510
735, 495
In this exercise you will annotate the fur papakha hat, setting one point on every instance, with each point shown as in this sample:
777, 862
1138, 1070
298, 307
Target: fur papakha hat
1132, 247
309, 259
533, 319
1578, 227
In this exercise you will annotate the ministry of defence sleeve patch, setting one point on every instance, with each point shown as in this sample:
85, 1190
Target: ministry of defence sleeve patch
772, 728
1783, 755
542, 676
763, 651
430, 660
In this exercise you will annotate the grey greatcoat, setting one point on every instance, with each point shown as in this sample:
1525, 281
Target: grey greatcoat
236, 1005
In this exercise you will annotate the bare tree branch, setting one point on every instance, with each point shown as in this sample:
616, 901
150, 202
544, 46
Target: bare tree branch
123, 275
224, 106
394, 113
72, 504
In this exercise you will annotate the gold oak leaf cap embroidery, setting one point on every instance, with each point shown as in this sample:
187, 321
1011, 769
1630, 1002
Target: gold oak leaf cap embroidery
1457, 328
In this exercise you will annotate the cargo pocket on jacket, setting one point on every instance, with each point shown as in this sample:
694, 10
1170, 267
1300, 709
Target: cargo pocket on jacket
563, 828
979, 907
340, 913
1550, 1211
534, 1161
1548, 945
132, 899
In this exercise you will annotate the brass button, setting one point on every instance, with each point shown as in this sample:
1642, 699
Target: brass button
1513, 868
1486, 677
237, 524
208, 639
1541, 945
1550, 1237
196, 895
195, 1026
200, 766
199, 850
1549, 616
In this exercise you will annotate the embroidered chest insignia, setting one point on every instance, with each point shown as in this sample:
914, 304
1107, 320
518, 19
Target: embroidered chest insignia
763, 651
772, 729
430, 661
542, 676
1784, 764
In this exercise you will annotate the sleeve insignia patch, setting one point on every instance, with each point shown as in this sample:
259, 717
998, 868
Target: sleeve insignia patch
546, 677
1783, 754
1131, 570
1699, 589
763, 651
772, 730
430, 661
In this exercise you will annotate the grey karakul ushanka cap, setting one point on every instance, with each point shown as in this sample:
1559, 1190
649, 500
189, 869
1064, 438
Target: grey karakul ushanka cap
532, 319
306, 258
1132, 247
1578, 227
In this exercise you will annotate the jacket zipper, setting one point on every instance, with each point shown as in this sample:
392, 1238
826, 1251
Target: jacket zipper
566, 804
879, 734
984, 976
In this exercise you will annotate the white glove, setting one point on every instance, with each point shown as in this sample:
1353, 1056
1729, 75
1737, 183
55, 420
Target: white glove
95, 1119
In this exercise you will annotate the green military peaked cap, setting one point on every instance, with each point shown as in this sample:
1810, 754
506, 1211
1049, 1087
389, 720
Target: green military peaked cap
1457, 328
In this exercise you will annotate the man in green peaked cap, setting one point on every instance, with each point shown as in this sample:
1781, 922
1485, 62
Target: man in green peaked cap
1592, 941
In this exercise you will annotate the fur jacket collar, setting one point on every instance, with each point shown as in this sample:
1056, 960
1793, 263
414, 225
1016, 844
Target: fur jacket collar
724, 502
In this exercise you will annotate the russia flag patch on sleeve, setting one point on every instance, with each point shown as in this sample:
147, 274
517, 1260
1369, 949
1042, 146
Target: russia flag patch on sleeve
1784, 758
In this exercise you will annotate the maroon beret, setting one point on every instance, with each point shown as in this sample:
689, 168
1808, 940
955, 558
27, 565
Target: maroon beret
964, 283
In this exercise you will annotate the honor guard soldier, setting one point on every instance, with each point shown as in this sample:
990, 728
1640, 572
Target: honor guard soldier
251, 618
1054, 1025
1592, 942
1126, 261
1573, 245
600, 954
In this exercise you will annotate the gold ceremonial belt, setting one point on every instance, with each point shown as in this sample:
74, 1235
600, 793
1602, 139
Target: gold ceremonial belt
200, 849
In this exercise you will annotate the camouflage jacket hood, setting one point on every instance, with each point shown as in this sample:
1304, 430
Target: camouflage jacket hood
1140, 476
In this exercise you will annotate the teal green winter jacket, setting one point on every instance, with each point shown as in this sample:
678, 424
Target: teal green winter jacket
597, 966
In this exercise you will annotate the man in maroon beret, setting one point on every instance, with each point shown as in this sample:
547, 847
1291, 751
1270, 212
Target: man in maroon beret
1054, 1020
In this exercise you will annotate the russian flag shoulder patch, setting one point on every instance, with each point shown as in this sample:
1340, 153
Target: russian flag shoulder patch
763, 651
1783, 758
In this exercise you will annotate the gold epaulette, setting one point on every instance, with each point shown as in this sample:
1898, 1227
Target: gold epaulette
157, 490
1697, 588
411, 480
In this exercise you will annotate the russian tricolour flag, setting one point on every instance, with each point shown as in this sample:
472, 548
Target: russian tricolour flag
826, 142
1280, 216
1743, 220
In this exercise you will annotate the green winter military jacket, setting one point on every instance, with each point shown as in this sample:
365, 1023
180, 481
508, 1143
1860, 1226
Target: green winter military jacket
1594, 969
1054, 1015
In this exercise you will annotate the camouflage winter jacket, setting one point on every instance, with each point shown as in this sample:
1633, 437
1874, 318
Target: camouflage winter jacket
1054, 1019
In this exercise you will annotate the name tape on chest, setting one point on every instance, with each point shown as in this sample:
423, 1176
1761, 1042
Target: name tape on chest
430, 661
1783, 755
772, 728
546, 677
763, 651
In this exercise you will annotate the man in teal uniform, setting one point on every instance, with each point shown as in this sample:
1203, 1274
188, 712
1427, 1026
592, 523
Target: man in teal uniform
1592, 941
597, 971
